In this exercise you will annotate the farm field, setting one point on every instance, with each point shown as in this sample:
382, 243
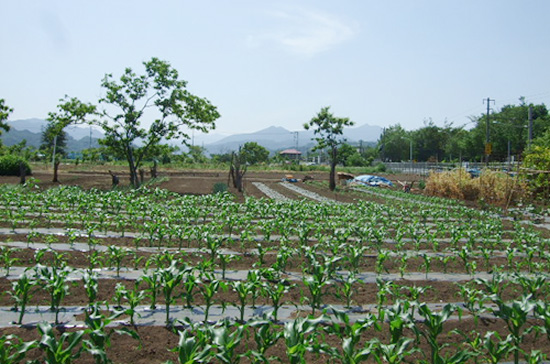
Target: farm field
287, 272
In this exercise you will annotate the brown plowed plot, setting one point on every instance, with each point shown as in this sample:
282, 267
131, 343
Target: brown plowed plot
394, 265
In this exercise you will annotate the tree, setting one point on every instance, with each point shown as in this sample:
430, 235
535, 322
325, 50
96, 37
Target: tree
54, 142
394, 144
329, 130
196, 154
349, 156
429, 142
508, 128
159, 89
254, 153
69, 111
5, 111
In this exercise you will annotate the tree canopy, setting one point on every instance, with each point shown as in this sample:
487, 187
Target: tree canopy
5, 112
329, 130
254, 153
159, 90
140, 111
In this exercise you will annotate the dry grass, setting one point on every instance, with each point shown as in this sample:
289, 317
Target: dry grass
493, 187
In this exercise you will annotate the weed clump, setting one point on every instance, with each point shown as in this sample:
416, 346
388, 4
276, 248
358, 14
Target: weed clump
493, 187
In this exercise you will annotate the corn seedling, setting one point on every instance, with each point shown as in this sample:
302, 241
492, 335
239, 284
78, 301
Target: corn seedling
21, 293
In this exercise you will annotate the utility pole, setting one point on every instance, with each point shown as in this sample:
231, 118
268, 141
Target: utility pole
383, 144
488, 146
295, 139
530, 137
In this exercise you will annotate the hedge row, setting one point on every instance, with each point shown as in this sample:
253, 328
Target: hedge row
10, 165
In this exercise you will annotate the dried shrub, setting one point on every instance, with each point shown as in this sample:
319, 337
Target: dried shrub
492, 186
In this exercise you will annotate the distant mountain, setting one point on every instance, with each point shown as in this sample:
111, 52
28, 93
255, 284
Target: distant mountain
274, 138
277, 138
78, 136
37, 125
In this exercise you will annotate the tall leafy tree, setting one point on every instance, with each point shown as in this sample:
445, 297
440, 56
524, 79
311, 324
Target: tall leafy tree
159, 90
329, 130
54, 143
429, 142
5, 111
508, 127
54, 138
394, 143
254, 153
54, 135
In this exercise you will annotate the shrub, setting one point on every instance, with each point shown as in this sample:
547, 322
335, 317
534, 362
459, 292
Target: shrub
9, 165
220, 187
380, 167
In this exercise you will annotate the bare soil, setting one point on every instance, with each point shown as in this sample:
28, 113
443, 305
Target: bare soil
156, 342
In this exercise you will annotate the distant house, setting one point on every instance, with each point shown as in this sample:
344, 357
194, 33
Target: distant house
291, 154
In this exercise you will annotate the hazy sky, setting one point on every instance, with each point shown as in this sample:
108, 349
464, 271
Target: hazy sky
278, 63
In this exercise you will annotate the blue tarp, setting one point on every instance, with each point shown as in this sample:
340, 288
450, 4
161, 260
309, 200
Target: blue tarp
375, 181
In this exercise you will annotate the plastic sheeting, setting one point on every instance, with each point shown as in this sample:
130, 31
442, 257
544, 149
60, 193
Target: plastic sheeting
373, 181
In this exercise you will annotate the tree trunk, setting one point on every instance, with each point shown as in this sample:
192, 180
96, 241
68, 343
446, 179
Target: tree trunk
134, 179
237, 171
55, 169
141, 176
154, 170
22, 172
332, 177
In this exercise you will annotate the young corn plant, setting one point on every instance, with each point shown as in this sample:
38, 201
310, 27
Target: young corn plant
209, 286
152, 279
94, 260
190, 283
55, 282
427, 264
535, 286
90, 281
350, 334
7, 259
382, 256
391, 353
498, 350
316, 284
226, 259
226, 341
254, 281
275, 290
13, 350
21, 293
170, 278
243, 289
133, 298
300, 337
115, 256
98, 337
347, 288
385, 289
266, 335
433, 327
515, 316
194, 346
64, 350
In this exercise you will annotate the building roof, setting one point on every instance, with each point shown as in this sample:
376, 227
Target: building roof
291, 151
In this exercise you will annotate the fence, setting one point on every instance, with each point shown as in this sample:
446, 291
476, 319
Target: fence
424, 168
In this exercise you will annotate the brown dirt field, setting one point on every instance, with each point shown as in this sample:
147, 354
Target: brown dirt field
157, 341
184, 181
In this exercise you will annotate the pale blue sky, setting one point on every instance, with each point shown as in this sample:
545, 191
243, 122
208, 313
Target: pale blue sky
268, 63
